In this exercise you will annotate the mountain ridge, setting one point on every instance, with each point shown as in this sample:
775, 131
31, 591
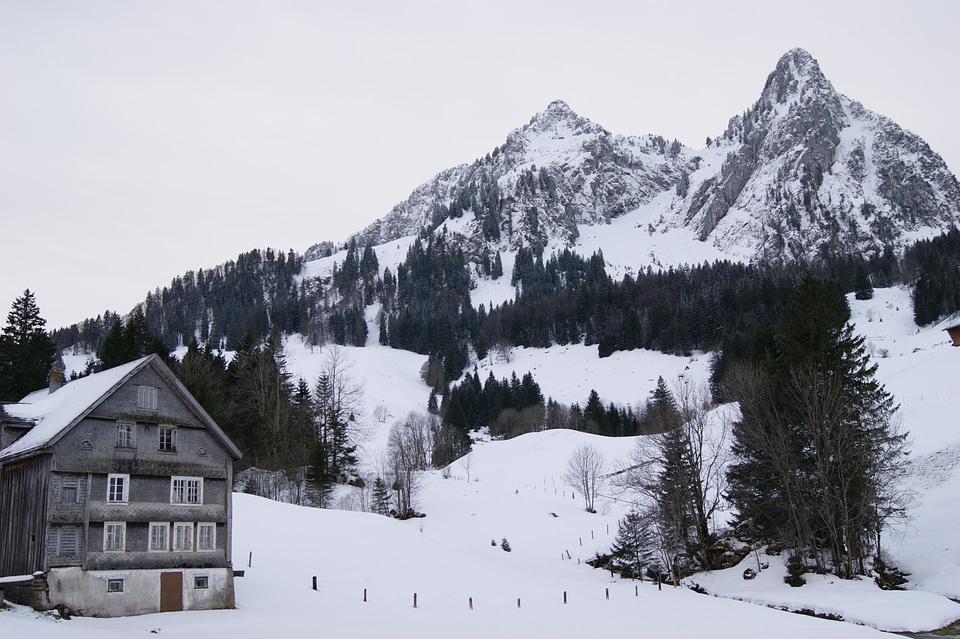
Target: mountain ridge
802, 171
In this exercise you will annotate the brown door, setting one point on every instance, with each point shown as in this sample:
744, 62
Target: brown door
171, 591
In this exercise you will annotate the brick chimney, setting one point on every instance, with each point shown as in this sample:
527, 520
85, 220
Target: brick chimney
56, 377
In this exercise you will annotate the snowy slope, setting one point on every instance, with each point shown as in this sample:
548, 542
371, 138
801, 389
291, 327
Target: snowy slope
517, 492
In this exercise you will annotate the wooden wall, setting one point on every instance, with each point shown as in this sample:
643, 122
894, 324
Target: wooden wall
23, 515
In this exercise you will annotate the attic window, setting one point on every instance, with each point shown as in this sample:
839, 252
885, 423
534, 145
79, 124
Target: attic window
125, 435
147, 398
167, 439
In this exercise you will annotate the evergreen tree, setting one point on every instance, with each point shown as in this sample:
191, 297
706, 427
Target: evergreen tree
26, 351
381, 497
634, 548
817, 443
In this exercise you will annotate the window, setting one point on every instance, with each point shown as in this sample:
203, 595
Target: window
124, 435
168, 439
206, 537
147, 398
186, 490
201, 582
158, 536
117, 488
68, 541
69, 489
114, 585
113, 535
183, 536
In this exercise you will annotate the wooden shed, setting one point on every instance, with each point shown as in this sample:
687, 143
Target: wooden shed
954, 333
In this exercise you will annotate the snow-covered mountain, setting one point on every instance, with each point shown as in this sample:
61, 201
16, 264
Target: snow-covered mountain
805, 169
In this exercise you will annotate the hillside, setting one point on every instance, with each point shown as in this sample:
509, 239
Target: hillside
516, 489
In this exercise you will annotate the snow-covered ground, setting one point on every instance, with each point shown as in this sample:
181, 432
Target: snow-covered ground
516, 492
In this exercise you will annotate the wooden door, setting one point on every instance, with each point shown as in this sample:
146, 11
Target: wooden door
171, 591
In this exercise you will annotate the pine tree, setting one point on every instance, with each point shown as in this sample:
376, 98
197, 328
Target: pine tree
26, 351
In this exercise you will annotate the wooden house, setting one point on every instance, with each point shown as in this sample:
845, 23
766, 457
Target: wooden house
954, 333
115, 496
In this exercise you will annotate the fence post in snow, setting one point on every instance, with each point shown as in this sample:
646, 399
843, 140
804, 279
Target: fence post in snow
414, 600
471, 603
250, 559
314, 582
608, 594
364, 595
518, 602
564, 597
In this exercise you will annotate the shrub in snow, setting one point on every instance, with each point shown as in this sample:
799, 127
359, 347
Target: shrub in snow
795, 570
505, 545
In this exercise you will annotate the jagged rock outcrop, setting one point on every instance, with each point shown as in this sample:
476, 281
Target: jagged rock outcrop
557, 172
810, 170
802, 171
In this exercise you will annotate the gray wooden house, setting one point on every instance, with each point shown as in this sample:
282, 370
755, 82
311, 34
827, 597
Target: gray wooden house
115, 496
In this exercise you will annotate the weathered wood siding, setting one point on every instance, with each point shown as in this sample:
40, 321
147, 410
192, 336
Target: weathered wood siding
23, 515
91, 448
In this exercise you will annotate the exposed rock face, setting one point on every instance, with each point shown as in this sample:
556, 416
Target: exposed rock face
810, 170
804, 170
555, 173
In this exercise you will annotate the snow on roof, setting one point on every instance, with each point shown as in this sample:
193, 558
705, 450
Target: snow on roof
51, 413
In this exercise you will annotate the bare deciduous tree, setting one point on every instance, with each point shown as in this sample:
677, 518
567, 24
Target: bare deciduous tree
407, 459
585, 470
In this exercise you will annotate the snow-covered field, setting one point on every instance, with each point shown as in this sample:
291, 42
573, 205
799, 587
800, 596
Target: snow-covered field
516, 492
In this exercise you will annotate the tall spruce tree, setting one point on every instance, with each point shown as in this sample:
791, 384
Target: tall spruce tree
817, 440
26, 351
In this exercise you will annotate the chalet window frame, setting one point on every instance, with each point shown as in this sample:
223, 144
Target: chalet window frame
147, 398
201, 582
186, 491
114, 536
206, 536
167, 439
182, 537
118, 488
114, 584
159, 531
126, 435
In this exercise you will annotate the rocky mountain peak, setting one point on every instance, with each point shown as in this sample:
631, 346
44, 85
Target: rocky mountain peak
557, 122
796, 73
802, 171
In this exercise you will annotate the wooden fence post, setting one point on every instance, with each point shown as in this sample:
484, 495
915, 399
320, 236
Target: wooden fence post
314, 582
414, 600
564, 597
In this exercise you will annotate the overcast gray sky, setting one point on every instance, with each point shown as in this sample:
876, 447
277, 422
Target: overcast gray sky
142, 139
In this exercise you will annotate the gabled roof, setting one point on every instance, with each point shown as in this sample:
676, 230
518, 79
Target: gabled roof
53, 414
